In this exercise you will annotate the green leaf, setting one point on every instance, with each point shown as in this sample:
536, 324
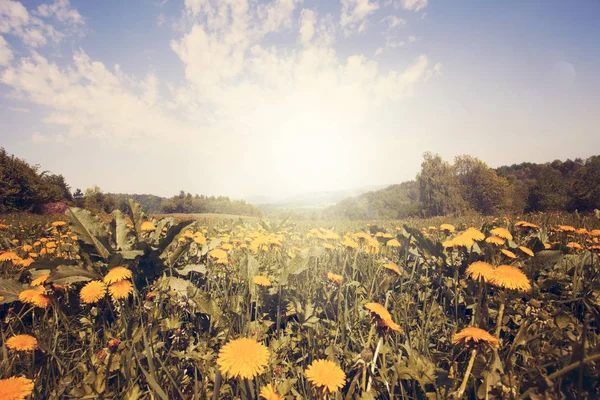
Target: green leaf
123, 237
185, 271
67, 274
174, 249
137, 216
10, 289
90, 230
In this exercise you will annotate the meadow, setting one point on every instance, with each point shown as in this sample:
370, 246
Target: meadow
133, 306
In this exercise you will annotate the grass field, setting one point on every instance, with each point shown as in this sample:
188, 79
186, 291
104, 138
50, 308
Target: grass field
210, 306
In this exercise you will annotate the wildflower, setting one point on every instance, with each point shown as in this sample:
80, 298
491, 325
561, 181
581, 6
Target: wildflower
120, 290
40, 280
480, 270
36, 296
326, 375
21, 343
117, 274
268, 393
447, 228
9, 256
92, 292
385, 318
475, 335
526, 251
15, 388
243, 357
474, 234
566, 228
393, 243
502, 232
147, 226
508, 253
510, 277
525, 224
218, 253
392, 267
57, 224
463, 240
497, 240
262, 280
574, 246
337, 279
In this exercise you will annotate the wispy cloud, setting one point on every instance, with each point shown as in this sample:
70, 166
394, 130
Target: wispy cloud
353, 18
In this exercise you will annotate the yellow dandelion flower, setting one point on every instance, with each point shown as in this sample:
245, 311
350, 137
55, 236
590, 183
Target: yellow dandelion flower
392, 267
348, 242
480, 270
566, 228
9, 256
379, 310
502, 232
497, 240
58, 223
337, 279
120, 290
508, 253
473, 335
27, 248
448, 228
15, 388
510, 277
262, 280
117, 274
26, 262
36, 296
40, 280
463, 240
269, 393
218, 253
474, 234
574, 246
393, 243
147, 226
326, 375
92, 292
243, 357
526, 251
448, 244
22, 343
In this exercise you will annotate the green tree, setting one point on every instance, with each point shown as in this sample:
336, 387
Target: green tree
94, 199
549, 193
480, 186
439, 192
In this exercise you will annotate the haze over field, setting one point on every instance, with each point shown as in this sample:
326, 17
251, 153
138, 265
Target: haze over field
276, 99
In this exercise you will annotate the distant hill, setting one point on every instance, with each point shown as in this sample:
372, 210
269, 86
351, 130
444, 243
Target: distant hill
314, 200
392, 202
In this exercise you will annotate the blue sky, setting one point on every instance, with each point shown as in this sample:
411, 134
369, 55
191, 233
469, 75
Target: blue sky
276, 98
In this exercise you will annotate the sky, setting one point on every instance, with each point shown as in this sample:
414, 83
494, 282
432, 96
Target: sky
276, 98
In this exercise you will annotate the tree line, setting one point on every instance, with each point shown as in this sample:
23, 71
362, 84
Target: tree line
469, 185
25, 188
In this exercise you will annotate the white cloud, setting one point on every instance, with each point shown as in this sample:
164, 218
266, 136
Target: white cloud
393, 21
6, 54
412, 39
33, 30
267, 108
61, 11
308, 19
414, 5
353, 18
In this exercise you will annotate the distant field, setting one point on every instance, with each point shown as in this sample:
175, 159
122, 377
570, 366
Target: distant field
208, 216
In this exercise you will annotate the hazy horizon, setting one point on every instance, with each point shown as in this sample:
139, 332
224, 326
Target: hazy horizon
286, 97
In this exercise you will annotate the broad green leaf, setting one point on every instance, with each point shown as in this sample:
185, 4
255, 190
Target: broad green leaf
10, 289
175, 249
185, 271
67, 274
137, 216
90, 230
123, 237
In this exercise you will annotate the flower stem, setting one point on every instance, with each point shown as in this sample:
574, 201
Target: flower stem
463, 385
